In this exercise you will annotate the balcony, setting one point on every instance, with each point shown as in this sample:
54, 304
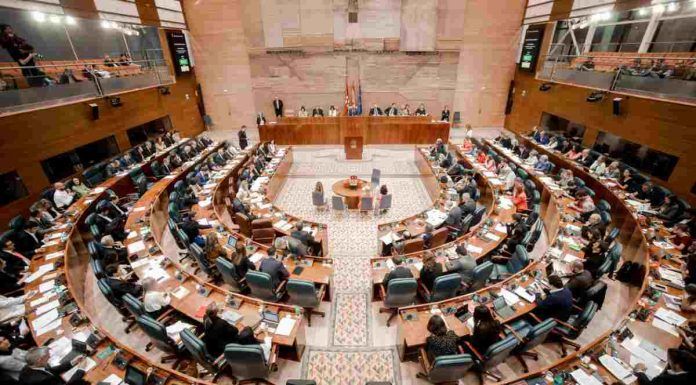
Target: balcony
52, 83
666, 75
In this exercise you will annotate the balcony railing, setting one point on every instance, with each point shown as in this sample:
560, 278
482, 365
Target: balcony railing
670, 76
52, 83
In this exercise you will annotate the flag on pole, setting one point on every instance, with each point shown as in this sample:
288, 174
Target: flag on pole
352, 94
347, 102
359, 106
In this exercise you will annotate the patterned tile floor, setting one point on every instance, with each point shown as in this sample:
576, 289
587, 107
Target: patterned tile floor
347, 357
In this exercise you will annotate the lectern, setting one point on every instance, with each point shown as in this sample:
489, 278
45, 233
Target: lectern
353, 146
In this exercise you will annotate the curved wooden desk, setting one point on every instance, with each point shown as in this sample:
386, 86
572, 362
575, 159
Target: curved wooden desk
373, 130
69, 254
351, 195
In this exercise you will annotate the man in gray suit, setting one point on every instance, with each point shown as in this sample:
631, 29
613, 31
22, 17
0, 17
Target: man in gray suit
274, 267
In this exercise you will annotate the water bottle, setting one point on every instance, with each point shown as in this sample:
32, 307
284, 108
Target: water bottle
612, 346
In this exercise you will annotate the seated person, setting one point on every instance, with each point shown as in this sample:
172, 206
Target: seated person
9, 281
15, 262
594, 251
398, 272
629, 182
427, 235
519, 197
468, 205
375, 110
486, 329
682, 239
303, 112
454, 218
39, 372
431, 270
241, 262
217, 332
154, 301
317, 111
679, 371
543, 138
62, 197
113, 252
557, 303
533, 158
213, 249
580, 280
593, 223
438, 148
391, 110
420, 111
651, 194
120, 286
521, 151
464, 265
566, 180
273, 267
507, 176
12, 361
599, 166
333, 112
586, 158
28, 239
111, 224
543, 165
612, 171
670, 211
574, 153
79, 188
583, 203
440, 342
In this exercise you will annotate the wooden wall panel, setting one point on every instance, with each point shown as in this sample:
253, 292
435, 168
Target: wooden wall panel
28, 138
664, 126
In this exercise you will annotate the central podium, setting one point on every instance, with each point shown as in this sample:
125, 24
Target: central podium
372, 130
353, 147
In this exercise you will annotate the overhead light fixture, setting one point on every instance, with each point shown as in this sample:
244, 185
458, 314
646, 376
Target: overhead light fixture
70, 20
38, 16
55, 19
672, 7
595, 96
106, 24
643, 11
114, 24
544, 87
659, 8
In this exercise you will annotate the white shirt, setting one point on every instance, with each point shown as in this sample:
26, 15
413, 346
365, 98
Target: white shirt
333, 112
303, 114
509, 180
13, 363
62, 198
154, 301
11, 308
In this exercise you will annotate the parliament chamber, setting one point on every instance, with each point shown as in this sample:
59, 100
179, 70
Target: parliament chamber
344, 192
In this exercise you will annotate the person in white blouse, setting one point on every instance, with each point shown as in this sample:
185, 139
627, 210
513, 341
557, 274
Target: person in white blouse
507, 176
243, 192
599, 166
62, 196
303, 112
533, 159
333, 112
154, 300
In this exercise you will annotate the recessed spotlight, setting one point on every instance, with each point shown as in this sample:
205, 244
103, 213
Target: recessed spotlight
70, 20
55, 19
672, 7
105, 24
643, 12
659, 8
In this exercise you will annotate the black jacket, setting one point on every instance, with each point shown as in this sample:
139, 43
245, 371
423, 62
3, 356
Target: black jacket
278, 107
428, 276
579, 283
398, 272
13, 264
666, 378
375, 111
50, 376
302, 236
26, 244
218, 333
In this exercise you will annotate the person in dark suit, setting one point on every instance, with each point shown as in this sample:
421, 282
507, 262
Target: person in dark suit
278, 107
111, 224
398, 272
445, 117
27, 240
38, 372
431, 270
242, 136
112, 252
420, 111
468, 205
486, 329
274, 267
391, 110
454, 217
375, 111
580, 281
679, 371
9, 281
120, 286
317, 111
260, 119
15, 262
218, 332
558, 303
303, 236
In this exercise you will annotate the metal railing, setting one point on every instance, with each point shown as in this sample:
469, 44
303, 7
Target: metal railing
51, 83
670, 76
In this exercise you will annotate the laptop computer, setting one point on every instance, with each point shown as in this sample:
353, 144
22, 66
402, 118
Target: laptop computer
134, 376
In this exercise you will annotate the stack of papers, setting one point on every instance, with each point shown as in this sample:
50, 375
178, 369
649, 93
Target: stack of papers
473, 249
639, 355
285, 326
256, 257
136, 247
54, 255
435, 217
88, 365
174, 329
510, 297
520, 291
617, 368
582, 378
389, 238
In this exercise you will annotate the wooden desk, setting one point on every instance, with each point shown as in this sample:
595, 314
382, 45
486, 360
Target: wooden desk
351, 195
373, 130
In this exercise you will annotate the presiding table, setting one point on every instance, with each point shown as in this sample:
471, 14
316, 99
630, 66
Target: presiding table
373, 130
351, 194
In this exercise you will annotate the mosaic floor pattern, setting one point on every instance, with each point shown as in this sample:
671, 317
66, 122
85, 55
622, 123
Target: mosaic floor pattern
332, 366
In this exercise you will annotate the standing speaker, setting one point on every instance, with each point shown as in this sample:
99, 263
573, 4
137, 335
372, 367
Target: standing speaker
617, 106
95, 110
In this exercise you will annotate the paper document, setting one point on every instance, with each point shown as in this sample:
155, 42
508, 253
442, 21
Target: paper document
54, 255
88, 365
136, 247
669, 316
474, 249
520, 291
180, 292
285, 326
617, 368
582, 378
510, 297
47, 307
46, 286
45, 319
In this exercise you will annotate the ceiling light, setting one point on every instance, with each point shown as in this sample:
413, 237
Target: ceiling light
114, 24
38, 16
672, 7
70, 20
659, 8
643, 11
105, 24
55, 19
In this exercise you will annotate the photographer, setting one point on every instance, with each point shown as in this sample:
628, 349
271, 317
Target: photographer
23, 53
